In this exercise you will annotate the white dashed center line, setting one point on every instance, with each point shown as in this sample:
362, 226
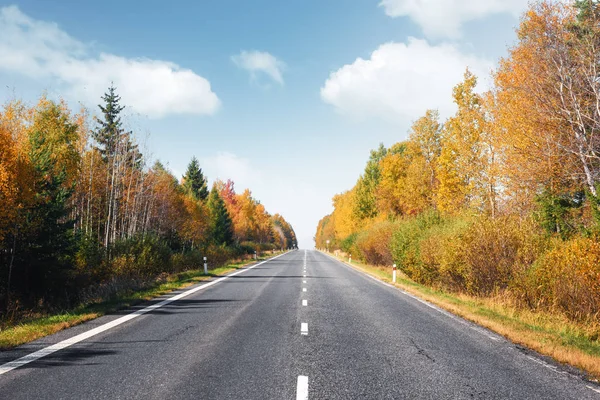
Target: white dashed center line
304, 328
302, 388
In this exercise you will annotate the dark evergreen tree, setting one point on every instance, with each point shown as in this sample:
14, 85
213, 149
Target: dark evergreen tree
221, 226
194, 181
109, 130
44, 261
110, 135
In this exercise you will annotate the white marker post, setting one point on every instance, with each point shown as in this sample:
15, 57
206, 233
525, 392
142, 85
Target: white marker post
394, 274
255, 255
205, 267
350, 259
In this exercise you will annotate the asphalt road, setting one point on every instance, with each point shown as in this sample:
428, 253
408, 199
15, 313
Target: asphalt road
252, 336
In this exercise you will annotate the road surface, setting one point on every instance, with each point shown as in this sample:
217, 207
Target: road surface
299, 326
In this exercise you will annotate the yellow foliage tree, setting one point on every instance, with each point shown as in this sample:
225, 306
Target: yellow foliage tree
462, 162
548, 105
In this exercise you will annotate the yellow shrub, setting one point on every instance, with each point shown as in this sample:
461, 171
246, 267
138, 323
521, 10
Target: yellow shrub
441, 253
498, 251
567, 278
374, 243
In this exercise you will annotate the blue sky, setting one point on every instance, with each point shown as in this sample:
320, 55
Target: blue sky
286, 98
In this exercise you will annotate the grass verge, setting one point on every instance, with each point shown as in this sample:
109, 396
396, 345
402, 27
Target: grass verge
39, 326
567, 342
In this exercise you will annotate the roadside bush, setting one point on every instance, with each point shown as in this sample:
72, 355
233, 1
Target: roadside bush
442, 255
498, 252
348, 245
567, 278
406, 250
140, 256
218, 256
374, 243
90, 262
191, 259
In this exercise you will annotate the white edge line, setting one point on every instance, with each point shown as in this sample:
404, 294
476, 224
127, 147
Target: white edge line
305, 303
593, 388
302, 388
9, 366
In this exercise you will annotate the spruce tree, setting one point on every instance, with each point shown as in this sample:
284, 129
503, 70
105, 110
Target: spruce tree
109, 134
109, 130
48, 246
194, 181
221, 226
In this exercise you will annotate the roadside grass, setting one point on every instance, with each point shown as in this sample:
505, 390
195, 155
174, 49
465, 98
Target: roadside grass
37, 326
568, 342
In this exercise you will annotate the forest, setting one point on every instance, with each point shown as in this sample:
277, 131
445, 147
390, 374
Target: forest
84, 216
502, 198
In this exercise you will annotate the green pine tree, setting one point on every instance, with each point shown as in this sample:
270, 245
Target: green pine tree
109, 134
45, 259
194, 181
221, 226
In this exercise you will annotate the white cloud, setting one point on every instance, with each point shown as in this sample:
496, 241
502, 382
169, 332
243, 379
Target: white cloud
260, 62
41, 50
444, 18
400, 81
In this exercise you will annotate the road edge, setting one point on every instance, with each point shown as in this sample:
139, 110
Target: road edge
546, 360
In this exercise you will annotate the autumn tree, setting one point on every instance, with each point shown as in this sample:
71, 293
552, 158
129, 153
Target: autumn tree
343, 217
546, 92
425, 140
325, 232
464, 158
45, 244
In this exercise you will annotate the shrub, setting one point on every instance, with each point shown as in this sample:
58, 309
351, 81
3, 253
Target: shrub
405, 246
218, 256
348, 245
374, 243
567, 278
498, 252
90, 262
191, 259
441, 253
141, 256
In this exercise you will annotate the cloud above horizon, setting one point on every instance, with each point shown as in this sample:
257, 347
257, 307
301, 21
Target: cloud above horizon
400, 81
260, 62
444, 18
43, 51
